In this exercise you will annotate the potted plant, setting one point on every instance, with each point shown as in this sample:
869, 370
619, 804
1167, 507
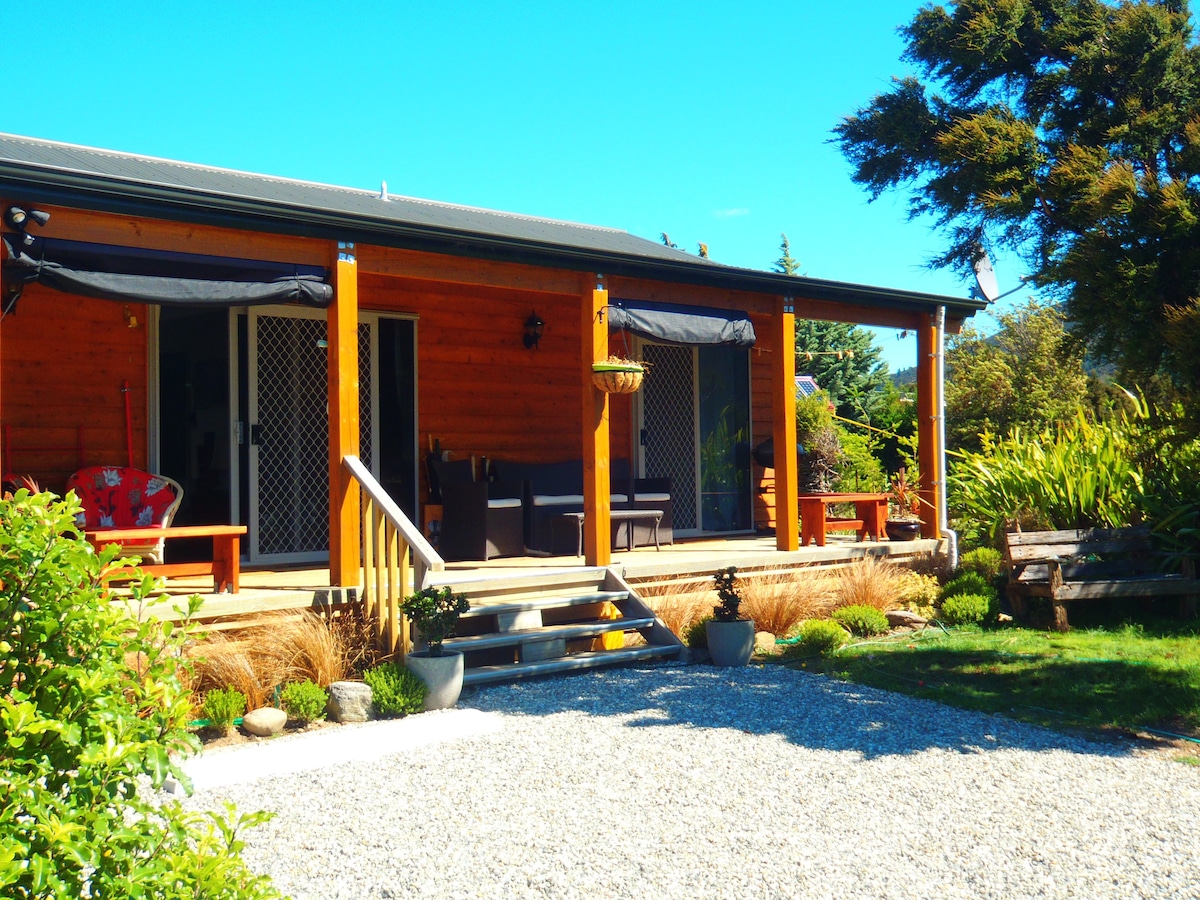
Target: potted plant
617, 375
730, 637
434, 613
904, 508
821, 451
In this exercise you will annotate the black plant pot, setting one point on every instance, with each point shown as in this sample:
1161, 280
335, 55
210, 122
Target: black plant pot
902, 530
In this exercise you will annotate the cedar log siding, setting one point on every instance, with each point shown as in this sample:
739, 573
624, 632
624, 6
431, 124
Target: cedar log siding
64, 360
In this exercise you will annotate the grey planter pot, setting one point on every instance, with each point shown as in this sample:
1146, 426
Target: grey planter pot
730, 643
443, 676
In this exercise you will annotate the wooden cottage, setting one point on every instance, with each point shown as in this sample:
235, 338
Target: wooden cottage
246, 335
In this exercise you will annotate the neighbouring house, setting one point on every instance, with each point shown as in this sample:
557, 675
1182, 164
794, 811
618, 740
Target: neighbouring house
244, 334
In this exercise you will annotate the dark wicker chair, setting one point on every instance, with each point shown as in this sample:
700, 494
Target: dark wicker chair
480, 519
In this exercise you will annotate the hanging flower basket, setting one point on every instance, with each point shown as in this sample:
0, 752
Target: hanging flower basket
618, 376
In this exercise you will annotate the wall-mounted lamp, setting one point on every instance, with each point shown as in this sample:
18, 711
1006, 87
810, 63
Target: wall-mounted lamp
18, 220
534, 326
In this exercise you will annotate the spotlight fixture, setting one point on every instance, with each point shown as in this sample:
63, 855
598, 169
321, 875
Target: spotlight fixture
534, 326
18, 220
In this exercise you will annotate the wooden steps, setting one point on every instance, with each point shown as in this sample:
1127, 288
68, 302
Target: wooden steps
532, 624
574, 662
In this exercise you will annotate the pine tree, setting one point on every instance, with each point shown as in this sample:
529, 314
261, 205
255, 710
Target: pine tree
1068, 131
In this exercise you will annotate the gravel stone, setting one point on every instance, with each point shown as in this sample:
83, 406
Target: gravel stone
757, 782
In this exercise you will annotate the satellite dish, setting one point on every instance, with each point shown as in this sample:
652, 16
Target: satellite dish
985, 277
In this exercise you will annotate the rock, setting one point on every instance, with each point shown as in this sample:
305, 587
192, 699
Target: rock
264, 721
350, 701
900, 618
764, 642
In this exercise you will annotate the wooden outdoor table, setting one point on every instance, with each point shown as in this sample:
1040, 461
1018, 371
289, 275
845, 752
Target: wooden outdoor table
870, 513
225, 567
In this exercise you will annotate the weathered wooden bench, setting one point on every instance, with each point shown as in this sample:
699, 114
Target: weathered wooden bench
1091, 564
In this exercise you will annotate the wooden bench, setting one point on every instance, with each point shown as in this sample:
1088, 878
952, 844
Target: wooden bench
225, 567
1091, 564
870, 514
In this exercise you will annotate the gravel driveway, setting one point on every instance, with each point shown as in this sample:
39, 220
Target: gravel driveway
755, 782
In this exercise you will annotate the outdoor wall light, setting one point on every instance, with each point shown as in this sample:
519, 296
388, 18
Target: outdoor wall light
534, 326
18, 220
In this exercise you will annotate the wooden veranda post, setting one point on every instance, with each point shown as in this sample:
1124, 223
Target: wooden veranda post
343, 419
597, 548
927, 431
783, 412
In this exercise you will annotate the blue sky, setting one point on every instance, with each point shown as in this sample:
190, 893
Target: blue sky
709, 121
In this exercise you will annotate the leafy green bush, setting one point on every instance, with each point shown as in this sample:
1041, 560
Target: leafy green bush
863, 621
435, 612
858, 469
970, 609
817, 637
919, 593
395, 691
91, 703
968, 583
985, 561
696, 634
1079, 474
304, 701
223, 705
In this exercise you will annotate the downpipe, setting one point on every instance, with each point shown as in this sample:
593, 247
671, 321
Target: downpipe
943, 511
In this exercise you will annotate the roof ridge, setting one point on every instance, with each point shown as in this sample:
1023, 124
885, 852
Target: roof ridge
242, 173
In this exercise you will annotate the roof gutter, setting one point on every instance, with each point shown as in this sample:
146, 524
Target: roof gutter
128, 197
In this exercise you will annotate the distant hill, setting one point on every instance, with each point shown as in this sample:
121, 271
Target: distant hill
904, 376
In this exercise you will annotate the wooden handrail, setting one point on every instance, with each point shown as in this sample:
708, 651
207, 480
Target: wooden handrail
397, 559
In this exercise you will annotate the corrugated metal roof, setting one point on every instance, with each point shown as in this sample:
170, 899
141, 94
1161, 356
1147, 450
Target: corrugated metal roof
145, 170
51, 172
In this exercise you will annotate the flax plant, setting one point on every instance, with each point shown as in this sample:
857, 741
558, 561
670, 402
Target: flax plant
1079, 474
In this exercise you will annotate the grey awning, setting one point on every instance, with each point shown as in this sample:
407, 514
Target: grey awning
132, 275
674, 323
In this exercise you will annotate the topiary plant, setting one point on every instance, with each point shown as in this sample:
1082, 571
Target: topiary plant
818, 637
969, 609
863, 621
222, 706
93, 711
730, 595
434, 612
304, 701
395, 691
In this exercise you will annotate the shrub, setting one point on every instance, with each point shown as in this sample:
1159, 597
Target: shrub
985, 561
859, 469
696, 635
93, 711
304, 701
817, 637
968, 583
863, 621
970, 609
434, 612
729, 595
778, 603
869, 582
919, 593
222, 706
395, 691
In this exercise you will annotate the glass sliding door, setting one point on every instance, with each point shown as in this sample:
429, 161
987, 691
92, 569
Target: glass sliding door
724, 438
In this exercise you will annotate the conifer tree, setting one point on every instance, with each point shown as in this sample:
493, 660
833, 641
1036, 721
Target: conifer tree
1069, 131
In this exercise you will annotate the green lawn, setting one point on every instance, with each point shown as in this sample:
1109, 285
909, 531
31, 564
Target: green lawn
1144, 676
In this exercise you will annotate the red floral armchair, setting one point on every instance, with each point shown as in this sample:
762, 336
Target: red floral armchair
122, 497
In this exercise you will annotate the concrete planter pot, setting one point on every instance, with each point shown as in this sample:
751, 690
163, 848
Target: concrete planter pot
443, 676
730, 643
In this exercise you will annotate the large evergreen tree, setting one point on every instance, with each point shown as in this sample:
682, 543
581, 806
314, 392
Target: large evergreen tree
1068, 130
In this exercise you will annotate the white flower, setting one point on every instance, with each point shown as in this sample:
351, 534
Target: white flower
112, 477
154, 485
146, 516
106, 521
